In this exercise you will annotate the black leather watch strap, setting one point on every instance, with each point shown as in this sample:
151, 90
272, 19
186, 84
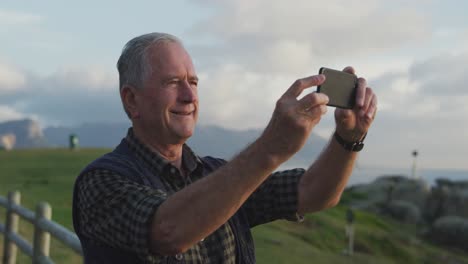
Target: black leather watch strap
351, 146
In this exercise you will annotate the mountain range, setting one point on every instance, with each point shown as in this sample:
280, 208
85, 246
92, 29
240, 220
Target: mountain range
207, 140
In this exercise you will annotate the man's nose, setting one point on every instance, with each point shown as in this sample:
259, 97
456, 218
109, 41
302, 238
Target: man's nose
188, 93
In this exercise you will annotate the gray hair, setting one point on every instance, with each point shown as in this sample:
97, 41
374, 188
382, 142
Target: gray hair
133, 64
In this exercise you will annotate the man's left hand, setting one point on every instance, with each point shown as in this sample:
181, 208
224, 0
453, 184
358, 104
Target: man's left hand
352, 124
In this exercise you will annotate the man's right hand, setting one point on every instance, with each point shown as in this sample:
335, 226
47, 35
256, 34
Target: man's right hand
293, 119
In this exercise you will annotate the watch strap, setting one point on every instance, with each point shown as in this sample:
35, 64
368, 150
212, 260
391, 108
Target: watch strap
351, 146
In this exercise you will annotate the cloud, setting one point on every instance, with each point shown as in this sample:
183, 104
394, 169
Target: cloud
283, 56
412, 115
7, 113
443, 75
12, 18
261, 47
89, 78
237, 99
441, 141
429, 88
271, 36
249, 52
10, 79
422, 107
70, 96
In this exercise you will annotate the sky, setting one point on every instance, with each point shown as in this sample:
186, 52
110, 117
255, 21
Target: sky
57, 63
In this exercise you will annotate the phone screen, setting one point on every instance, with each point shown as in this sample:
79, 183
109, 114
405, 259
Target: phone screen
340, 87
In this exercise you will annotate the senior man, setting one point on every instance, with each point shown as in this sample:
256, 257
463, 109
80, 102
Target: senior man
153, 200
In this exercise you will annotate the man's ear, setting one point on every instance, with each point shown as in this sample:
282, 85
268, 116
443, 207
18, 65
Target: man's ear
128, 95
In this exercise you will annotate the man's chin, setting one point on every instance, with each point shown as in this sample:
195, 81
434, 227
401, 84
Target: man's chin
184, 134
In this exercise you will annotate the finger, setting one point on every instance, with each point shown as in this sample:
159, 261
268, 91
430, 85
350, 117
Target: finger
349, 69
372, 110
367, 101
299, 85
316, 111
324, 109
313, 99
361, 92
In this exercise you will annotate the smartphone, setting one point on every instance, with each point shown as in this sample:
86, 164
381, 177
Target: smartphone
340, 87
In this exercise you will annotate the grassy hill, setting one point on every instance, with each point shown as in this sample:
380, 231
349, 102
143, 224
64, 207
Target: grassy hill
48, 175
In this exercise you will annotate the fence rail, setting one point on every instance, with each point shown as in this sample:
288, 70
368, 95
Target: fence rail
44, 227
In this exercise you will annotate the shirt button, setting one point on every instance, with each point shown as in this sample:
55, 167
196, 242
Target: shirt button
173, 170
179, 256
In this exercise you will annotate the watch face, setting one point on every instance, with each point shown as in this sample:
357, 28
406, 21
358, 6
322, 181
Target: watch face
358, 147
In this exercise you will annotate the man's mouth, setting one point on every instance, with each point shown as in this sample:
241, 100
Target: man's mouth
183, 113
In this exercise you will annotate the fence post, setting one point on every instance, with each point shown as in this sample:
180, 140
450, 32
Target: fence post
11, 226
41, 238
350, 230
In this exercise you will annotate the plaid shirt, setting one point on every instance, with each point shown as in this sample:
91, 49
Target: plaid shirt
117, 212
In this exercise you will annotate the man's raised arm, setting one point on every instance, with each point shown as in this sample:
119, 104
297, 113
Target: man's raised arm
196, 211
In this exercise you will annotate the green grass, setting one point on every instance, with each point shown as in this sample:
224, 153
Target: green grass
44, 175
48, 175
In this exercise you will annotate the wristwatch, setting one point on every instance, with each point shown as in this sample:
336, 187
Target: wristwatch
351, 146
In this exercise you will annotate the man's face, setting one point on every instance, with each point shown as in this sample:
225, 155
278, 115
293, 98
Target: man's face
168, 102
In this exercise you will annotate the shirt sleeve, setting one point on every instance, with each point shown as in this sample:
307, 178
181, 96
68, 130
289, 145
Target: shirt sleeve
116, 211
276, 198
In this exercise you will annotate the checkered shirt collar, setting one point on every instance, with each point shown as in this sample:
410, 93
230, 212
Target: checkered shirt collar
189, 159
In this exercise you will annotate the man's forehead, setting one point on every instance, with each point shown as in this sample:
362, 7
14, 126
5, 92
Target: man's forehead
167, 50
169, 55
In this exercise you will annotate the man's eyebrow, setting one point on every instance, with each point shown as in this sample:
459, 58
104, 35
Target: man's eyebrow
176, 76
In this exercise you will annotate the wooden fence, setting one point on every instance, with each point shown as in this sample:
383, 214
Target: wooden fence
44, 227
